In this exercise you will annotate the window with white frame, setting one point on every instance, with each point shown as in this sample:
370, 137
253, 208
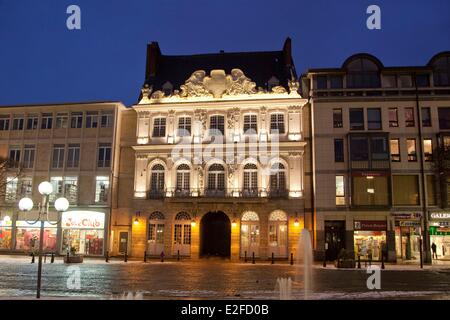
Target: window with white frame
101, 189
14, 156
217, 125
26, 187
58, 156
250, 124
64, 187
277, 178
76, 119
11, 189
18, 122
46, 121
277, 123
104, 155
340, 191
29, 152
250, 178
183, 178
157, 178
107, 118
216, 177
73, 156
4, 122
32, 121
92, 119
159, 127
184, 126
62, 120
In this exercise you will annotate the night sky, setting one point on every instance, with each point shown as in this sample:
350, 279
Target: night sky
41, 61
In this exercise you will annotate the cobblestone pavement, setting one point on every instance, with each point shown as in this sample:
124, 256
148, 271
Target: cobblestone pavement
213, 279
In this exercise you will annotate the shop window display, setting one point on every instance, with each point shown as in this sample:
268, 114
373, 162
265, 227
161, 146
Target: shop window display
27, 236
369, 244
5, 232
86, 242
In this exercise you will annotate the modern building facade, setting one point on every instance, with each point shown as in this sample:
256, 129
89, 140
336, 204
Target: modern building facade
219, 151
73, 146
378, 139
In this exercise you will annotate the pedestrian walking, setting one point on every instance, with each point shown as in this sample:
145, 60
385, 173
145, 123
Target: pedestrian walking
369, 256
433, 249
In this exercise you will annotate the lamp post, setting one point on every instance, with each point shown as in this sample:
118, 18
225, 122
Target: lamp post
26, 205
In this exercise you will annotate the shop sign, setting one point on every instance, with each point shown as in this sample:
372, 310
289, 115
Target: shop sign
30, 224
406, 215
370, 174
368, 225
440, 215
409, 224
83, 220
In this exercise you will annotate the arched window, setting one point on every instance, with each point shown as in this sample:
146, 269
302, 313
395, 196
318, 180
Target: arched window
250, 216
278, 234
183, 179
216, 178
250, 180
278, 215
155, 241
183, 215
182, 234
249, 234
277, 179
363, 73
167, 88
441, 72
156, 215
157, 179
273, 82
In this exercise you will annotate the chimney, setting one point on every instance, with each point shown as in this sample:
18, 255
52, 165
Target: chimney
153, 56
287, 52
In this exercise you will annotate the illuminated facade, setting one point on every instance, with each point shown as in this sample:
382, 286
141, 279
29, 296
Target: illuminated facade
219, 152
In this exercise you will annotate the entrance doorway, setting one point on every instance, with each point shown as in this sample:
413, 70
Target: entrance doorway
215, 235
335, 238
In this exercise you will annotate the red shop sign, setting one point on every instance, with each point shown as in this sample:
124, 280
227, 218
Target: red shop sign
370, 225
370, 173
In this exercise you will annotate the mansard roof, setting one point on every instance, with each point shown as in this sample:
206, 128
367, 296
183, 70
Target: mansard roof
258, 66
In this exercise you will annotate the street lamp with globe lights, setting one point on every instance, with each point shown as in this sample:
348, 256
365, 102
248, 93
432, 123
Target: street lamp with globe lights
26, 205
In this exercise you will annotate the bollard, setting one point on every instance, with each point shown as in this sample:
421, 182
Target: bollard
253, 258
68, 256
53, 258
162, 256
45, 258
292, 258
382, 261
32, 257
273, 260
245, 256
325, 260
107, 256
359, 261
125, 257
145, 256
178, 255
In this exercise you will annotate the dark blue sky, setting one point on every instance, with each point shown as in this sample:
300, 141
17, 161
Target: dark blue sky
41, 61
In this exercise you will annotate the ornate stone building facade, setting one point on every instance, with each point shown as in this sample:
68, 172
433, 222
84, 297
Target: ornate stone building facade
219, 151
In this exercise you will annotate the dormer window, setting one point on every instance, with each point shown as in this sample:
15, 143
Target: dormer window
159, 127
167, 88
273, 82
277, 123
216, 125
250, 124
363, 73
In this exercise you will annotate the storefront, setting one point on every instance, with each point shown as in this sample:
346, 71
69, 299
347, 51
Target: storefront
5, 232
440, 233
369, 239
83, 232
28, 234
407, 235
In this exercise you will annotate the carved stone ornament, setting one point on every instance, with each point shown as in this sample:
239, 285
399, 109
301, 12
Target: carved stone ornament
217, 84
146, 90
278, 89
293, 86
158, 95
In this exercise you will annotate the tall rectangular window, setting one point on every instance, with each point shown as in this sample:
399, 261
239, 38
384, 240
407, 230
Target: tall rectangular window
336, 82
431, 190
411, 148
250, 124
58, 188
107, 119
379, 148
409, 117
104, 155
277, 123
58, 156
393, 117
159, 127
340, 191
101, 189
70, 185
18, 122
76, 119
444, 117
46, 121
337, 118
428, 149
321, 82
92, 119
14, 156
32, 121
356, 119
426, 117
339, 150
395, 150
217, 125
184, 126
359, 149
374, 118
26, 187
62, 120
11, 189
73, 156
406, 190
28, 156
370, 191
4, 122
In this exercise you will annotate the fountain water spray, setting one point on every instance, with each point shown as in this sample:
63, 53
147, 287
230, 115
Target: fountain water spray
305, 261
284, 286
